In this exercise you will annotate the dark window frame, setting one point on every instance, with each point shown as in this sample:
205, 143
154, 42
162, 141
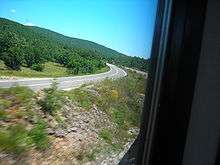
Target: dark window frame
169, 115
171, 83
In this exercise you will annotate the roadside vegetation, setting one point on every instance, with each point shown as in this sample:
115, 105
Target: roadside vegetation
26, 117
121, 99
50, 69
17, 133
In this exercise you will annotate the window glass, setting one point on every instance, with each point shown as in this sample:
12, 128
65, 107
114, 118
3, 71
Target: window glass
72, 79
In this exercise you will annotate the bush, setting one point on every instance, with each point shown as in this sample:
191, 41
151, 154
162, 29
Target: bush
4, 104
39, 135
106, 135
17, 139
52, 100
14, 139
37, 67
118, 116
23, 94
3, 115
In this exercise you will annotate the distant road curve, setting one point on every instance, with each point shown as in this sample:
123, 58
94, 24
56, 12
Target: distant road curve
64, 83
145, 74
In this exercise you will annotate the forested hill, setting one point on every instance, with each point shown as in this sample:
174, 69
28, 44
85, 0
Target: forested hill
30, 45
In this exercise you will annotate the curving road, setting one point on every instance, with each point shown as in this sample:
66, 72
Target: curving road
64, 83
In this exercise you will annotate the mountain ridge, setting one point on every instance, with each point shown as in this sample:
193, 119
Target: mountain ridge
50, 40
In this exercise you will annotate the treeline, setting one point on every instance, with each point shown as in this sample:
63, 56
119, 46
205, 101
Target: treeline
32, 46
15, 52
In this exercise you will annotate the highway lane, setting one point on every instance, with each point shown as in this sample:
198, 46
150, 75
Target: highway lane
64, 83
145, 74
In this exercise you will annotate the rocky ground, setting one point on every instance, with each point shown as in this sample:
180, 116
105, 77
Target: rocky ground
74, 140
91, 125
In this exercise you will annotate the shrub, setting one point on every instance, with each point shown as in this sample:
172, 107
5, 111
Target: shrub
106, 135
52, 100
92, 152
91, 155
39, 135
17, 140
23, 94
37, 67
118, 116
3, 115
14, 139
4, 104
121, 99
114, 95
84, 98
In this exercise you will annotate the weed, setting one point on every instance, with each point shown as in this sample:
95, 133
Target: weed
106, 135
14, 139
39, 135
4, 104
23, 94
37, 67
3, 115
52, 101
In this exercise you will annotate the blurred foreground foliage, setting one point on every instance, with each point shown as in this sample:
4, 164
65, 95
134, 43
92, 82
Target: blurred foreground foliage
23, 127
17, 135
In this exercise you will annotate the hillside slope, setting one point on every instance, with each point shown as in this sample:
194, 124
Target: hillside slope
57, 47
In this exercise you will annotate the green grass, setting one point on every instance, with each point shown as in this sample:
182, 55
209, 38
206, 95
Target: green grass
17, 105
52, 101
106, 135
39, 136
83, 98
15, 95
14, 98
4, 104
120, 99
14, 139
50, 70
105, 69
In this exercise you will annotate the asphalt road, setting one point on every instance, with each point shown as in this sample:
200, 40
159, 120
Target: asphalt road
64, 83
145, 74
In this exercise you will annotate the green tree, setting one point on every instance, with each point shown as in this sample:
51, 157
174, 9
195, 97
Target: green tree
45, 45
11, 51
74, 66
34, 53
87, 66
37, 67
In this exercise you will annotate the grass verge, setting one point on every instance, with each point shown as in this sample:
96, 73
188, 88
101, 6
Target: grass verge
121, 99
50, 70
17, 135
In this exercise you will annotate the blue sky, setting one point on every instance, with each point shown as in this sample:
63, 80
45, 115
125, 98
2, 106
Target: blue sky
123, 25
